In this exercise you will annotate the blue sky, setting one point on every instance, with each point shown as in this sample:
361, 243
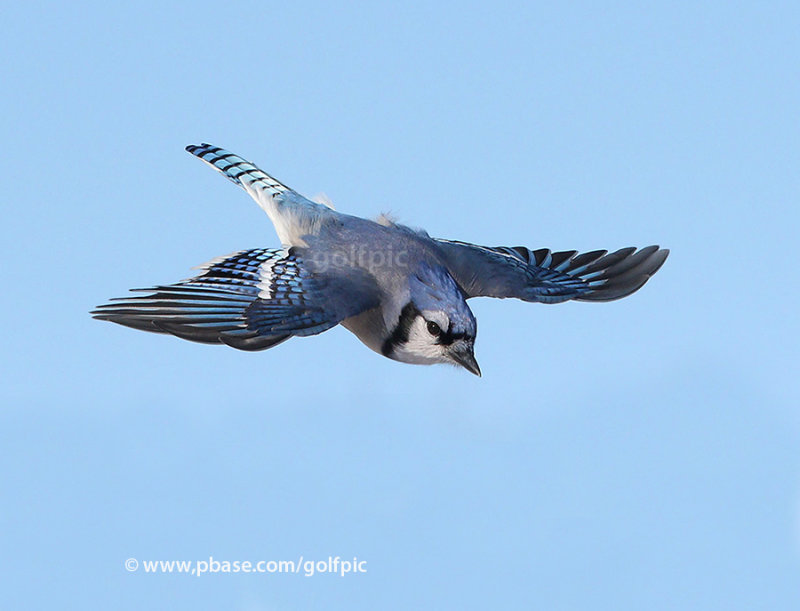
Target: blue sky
639, 454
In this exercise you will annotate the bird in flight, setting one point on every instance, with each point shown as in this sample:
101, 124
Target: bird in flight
401, 292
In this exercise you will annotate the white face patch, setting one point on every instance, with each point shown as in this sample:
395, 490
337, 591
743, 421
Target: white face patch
421, 347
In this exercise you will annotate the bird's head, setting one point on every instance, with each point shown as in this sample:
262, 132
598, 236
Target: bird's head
435, 325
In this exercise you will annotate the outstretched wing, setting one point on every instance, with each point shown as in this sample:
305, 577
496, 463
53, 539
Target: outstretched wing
251, 300
548, 277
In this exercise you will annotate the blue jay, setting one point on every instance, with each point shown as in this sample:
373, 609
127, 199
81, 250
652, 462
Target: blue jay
401, 292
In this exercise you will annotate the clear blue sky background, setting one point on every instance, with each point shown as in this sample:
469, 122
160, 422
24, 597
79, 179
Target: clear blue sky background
642, 454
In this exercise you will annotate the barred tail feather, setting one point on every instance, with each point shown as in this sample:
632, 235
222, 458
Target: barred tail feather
292, 214
237, 169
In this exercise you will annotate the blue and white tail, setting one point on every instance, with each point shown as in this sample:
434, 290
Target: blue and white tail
292, 214
239, 171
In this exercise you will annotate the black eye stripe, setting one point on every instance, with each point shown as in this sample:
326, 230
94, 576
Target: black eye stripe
449, 338
444, 337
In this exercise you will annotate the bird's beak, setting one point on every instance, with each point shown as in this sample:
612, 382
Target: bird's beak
466, 358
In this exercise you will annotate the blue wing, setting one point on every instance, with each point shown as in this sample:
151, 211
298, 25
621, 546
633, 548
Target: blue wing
550, 277
251, 300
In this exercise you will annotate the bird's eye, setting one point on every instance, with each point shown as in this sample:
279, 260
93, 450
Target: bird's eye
433, 328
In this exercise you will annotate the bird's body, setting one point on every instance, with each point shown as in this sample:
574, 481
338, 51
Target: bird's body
401, 292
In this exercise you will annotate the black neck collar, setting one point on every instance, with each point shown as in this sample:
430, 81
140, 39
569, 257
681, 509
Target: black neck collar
401, 330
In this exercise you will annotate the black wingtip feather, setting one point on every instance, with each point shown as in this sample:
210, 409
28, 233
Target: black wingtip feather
624, 273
